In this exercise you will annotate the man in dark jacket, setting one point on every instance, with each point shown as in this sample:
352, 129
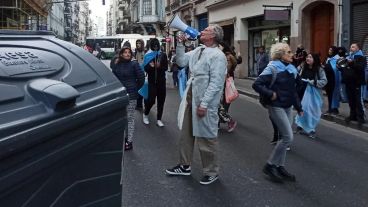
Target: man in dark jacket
261, 59
354, 80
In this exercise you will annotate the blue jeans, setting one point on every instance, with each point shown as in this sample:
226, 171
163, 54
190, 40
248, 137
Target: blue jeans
283, 119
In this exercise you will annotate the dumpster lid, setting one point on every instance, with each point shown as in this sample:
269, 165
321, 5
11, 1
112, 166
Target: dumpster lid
22, 32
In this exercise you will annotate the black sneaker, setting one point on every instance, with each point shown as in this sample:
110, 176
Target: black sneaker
271, 171
179, 170
128, 145
208, 179
285, 174
312, 135
298, 130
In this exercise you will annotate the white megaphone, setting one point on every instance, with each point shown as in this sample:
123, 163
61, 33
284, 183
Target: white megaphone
175, 22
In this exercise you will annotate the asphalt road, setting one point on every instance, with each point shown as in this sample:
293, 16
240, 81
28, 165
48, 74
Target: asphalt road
330, 170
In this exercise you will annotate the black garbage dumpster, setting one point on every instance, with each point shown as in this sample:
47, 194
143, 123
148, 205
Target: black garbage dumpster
62, 121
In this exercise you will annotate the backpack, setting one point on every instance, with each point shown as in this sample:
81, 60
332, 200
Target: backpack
264, 100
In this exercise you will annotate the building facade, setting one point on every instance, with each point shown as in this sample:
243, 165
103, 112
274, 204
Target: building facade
147, 17
55, 20
118, 20
194, 13
84, 22
24, 14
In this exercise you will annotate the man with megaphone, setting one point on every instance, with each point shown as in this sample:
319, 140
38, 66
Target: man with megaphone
198, 118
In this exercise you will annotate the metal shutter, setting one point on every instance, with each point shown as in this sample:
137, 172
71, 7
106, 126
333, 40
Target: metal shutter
359, 22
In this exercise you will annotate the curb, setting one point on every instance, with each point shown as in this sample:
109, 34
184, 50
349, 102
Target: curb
329, 117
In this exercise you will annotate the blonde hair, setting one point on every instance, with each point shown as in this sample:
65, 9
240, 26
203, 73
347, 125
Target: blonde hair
278, 50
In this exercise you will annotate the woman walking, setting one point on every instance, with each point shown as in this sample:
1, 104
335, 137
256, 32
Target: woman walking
155, 64
224, 106
282, 96
132, 77
314, 79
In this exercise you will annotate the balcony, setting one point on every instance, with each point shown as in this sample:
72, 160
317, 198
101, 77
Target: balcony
121, 5
66, 10
175, 5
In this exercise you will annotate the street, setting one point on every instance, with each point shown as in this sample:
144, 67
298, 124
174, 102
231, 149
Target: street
330, 170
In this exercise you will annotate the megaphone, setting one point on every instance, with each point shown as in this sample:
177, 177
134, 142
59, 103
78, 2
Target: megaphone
175, 22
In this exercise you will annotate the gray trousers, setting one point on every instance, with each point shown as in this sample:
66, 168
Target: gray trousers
283, 119
207, 147
131, 119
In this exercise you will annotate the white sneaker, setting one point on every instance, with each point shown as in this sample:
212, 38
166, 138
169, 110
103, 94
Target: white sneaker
145, 119
160, 124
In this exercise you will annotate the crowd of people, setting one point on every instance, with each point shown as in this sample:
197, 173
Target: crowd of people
287, 80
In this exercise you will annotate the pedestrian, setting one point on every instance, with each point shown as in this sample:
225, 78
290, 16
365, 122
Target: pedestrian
155, 64
174, 69
354, 77
365, 89
127, 44
283, 96
171, 52
314, 79
138, 56
238, 57
132, 77
223, 112
208, 70
261, 59
98, 50
299, 56
342, 52
333, 85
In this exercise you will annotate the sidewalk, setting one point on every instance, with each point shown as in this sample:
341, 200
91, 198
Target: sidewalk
244, 87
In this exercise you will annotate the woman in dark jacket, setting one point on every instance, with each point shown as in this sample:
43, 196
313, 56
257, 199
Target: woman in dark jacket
334, 80
283, 96
132, 77
155, 64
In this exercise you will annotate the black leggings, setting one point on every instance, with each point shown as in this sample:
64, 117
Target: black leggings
154, 91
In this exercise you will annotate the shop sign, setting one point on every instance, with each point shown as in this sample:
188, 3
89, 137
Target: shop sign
276, 15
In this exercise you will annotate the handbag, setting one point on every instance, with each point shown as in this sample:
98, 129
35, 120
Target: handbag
144, 90
231, 93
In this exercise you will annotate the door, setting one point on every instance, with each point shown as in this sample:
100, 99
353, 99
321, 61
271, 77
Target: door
322, 29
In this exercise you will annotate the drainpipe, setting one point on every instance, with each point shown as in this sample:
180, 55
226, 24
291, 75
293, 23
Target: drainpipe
340, 24
192, 15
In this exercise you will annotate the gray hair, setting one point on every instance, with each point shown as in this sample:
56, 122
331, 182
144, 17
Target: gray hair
218, 32
278, 50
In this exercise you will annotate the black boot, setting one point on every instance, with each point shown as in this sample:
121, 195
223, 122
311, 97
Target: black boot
271, 171
128, 146
285, 174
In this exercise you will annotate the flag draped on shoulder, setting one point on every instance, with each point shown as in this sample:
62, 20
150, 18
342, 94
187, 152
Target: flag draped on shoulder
149, 56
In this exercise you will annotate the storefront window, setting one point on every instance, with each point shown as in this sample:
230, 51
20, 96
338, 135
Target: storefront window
269, 37
265, 33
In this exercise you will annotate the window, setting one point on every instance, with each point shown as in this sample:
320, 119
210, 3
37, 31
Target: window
147, 7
